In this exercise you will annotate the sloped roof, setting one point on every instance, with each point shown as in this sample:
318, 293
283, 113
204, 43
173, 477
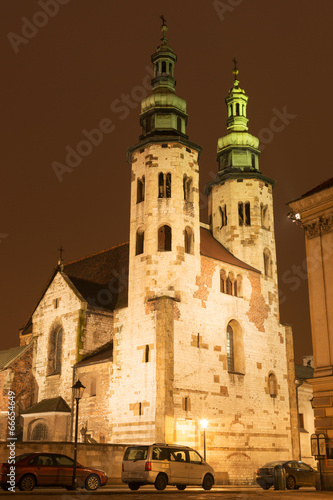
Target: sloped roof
48, 405
103, 353
210, 247
102, 278
7, 357
321, 187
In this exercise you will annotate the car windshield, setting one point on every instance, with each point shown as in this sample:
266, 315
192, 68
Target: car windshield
136, 453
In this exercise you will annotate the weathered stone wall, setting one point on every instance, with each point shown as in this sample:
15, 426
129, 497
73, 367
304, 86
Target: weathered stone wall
19, 379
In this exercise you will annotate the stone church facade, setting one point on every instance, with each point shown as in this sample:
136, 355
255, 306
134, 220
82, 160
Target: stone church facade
181, 323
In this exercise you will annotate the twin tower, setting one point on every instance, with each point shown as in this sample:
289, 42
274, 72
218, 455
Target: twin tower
165, 225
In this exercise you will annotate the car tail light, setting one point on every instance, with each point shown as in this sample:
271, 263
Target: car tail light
148, 466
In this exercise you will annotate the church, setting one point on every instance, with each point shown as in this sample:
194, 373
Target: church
181, 323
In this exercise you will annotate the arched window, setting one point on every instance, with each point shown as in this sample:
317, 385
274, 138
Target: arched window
268, 265
163, 67
244, 214
230, 349
39, 432
247, 214
179, 124
253, 161
235, 348
55, 351
237, 109
188, 188
140, 196
228, 288
264, 216
272, 385
140, 235
164, 185
223, 280
188, 236
164, 239
224, 219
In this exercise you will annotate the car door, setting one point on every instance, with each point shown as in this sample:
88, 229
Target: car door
43, 467
178, 466
195, 468
296, 472
308, 474
64, 470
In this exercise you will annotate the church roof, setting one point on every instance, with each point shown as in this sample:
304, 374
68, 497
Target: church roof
7, 357
46, 405
101, 354
210, 247
103, 274
324, 185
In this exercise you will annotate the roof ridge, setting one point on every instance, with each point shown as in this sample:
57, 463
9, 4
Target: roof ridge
96, 253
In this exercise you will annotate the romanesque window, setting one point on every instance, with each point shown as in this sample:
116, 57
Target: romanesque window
264, 216
272, 385
188, 237
244, 214
229, 284
223, 212
186, 404
164, 239
55, 351
230, 349
39, 432
140, 196
164, 185
223, 279
268, 264
179, 124
140, 236
235, 348
93, 387
188, 188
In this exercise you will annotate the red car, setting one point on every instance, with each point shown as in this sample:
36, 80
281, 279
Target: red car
48, 469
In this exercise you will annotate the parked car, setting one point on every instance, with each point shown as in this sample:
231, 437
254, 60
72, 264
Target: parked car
50, 469
297, 474
163, 464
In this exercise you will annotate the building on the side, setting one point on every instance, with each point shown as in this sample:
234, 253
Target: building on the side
304, 398
16, 380
182, 322
314, 211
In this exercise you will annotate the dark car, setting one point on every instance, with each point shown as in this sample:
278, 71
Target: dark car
48, 469
297, 474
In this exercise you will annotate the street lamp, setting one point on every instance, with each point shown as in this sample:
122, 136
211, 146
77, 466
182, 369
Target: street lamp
204, 424
78, 389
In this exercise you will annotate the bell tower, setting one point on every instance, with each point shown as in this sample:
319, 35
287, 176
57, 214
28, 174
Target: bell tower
164, 220
240, 202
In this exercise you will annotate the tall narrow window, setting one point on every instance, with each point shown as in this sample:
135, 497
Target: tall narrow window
168, 185
253, 161
164, 238
188, 236
230, 349
58, 351
264, 216
272, 385
140, 196
179, 124
237, 109
223, 212
268, 263
164, 185
223, 279
147, 354
163, 67
247, 214
240, 214
228, 288
140, 235
188, 188
54, 351
140, 408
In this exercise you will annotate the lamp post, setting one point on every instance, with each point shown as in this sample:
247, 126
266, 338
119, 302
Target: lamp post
204, 424
78, 389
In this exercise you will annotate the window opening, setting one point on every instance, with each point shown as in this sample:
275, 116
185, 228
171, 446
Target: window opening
230, 348
247, 214
240, 214
140, 196
147, 354
164, 238
223, 213
179, 124
188, 240
168, 185
39, 433
140, 235
272, 385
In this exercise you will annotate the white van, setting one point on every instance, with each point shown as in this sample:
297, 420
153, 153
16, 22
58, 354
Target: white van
163, 464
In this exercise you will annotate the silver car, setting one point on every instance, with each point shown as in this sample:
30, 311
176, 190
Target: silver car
163, 464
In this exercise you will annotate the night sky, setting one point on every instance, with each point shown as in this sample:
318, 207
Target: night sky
78, 67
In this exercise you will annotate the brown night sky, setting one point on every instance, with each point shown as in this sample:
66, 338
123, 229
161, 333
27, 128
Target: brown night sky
70, 73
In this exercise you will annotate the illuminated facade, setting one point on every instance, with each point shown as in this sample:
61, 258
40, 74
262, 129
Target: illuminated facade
181, 323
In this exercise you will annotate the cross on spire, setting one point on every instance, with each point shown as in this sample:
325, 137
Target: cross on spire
235, 71
163, 20
61, 261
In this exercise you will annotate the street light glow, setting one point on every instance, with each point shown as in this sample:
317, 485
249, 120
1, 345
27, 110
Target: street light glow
204, 423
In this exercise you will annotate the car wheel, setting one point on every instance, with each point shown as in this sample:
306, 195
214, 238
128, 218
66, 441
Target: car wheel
161, 482
291, 483
4, 487
92, 482
208, 482
134, 486
180, 487
27, 483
